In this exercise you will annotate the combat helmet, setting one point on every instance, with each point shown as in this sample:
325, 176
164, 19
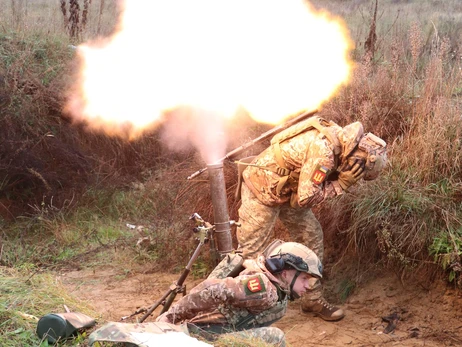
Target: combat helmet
373, 150
280, 255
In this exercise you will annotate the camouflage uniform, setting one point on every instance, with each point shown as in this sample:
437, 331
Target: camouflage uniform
309, 154
141, 334
245, 306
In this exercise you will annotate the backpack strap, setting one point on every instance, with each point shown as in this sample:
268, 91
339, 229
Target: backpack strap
318, 123
241, 166
284, 172
331, 135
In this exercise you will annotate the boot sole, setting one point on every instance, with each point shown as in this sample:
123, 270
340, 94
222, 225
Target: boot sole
327, 319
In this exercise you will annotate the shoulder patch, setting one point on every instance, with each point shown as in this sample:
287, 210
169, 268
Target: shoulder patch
319, 174
254, 285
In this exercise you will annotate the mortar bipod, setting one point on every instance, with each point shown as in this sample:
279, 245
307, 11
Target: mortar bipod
203, 230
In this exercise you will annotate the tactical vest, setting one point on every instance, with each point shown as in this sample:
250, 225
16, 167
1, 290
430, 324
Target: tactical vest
242, 319
287, 175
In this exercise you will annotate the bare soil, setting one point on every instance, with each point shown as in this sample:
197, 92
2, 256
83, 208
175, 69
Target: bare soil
428, 315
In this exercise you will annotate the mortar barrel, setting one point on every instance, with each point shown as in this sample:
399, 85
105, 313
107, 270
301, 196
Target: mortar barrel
222, 224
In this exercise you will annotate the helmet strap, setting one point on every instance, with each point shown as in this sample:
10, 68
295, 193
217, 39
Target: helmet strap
294, 295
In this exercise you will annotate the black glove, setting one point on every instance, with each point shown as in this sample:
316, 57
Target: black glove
347, 178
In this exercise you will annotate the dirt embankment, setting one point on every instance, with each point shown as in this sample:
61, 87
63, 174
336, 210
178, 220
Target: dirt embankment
422, 316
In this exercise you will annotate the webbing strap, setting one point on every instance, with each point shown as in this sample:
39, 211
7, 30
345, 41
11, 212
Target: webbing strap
241, 166
316, 123
281, 183
281, 171
278, 155
282, 165
278, 170
332, 137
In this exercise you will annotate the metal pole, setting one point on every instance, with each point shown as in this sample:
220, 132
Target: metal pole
222, 223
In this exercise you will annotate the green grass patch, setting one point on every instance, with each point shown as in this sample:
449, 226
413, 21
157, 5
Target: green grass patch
25, 296
447, 251
103, 228
47, 240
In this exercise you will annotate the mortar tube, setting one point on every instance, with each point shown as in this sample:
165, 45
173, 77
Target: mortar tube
222, 233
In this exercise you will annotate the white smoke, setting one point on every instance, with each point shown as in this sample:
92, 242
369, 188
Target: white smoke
203, 129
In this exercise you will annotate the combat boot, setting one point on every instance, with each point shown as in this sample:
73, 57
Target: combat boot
323, 309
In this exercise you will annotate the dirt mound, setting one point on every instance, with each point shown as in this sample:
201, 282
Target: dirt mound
415, 315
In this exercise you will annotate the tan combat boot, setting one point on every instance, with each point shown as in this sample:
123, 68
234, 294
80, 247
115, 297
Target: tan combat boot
323, 309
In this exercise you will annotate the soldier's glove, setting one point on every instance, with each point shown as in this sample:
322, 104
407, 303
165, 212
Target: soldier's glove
347, 178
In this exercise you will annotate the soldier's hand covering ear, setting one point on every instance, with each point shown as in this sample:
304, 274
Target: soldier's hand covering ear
347, 178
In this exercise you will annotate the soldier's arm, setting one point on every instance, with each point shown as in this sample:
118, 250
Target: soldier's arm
313, 186
253, 292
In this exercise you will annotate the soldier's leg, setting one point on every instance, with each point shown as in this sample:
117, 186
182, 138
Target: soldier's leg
271, 335
304, 228
256, 224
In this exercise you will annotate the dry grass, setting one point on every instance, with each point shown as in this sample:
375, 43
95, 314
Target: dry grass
394, 17
406, 90
27, 296
48, 17
66, 194
409, 95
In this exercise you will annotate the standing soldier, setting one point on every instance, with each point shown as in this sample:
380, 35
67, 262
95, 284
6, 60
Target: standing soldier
306, 164
248, 304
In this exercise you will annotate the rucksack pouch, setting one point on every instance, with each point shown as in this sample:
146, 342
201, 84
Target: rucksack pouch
230, 266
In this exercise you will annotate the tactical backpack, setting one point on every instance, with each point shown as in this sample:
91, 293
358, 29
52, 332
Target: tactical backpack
315, 122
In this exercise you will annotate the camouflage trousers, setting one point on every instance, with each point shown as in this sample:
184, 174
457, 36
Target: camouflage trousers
271, 335
256, 230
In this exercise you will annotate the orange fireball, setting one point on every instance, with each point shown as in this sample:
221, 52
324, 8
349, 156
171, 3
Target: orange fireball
270, 57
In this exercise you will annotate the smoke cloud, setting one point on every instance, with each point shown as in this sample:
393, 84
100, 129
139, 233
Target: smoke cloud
271, 58
203, 129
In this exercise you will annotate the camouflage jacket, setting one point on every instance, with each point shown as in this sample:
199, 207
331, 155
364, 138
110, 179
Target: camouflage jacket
248, 300
311, 155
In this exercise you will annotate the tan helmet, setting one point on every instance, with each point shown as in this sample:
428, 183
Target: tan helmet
350, 137
376, 150
282, 255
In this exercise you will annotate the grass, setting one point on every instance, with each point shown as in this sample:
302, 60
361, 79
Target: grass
25, 297
406, 93
447, 251
103, 219
66, 194
44, 17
